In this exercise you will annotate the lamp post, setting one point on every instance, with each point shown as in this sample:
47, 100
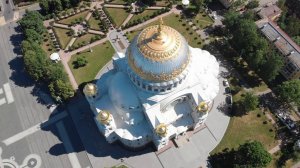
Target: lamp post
90, 47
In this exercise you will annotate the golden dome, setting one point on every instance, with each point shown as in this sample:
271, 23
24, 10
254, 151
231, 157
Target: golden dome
90, 89
202, 107
103, 117
158, 54
159, 42
161, 129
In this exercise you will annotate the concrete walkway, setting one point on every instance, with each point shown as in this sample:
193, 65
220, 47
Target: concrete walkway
61, 25
127, 19
276, 148
71, 43
64, 60
95, 32
69, 54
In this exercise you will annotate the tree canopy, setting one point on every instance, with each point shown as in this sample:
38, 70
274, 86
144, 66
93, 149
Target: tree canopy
249, 154
36, 61
254, 48
61, 89
33, 20
289, 91
250, 102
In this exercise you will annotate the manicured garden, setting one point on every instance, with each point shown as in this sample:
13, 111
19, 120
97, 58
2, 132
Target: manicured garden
180, 25
63, 36
118, 15
84, 39
94, 23
74, 18
202, 20
146, 13
95, 61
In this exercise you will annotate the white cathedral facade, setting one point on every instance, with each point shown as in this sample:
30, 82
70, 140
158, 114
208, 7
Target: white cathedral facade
160, 88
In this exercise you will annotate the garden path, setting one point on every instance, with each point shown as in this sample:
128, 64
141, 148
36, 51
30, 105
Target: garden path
127, 19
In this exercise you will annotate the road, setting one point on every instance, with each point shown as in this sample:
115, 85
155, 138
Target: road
29, 130
7, 7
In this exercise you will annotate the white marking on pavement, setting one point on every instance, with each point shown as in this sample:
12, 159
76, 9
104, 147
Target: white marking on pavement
2, 101
8, 93
1, 90
34, 129
68, 146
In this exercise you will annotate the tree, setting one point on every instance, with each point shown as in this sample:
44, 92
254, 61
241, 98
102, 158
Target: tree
80, 62
253, 154
44, 4
249, 154
272, 66
252, 4
61, 89
289, 91
33, 36
33, 20
250, 102
55, 72
34, 64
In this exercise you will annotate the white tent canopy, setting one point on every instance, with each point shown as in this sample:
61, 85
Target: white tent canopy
55, 57
185, 2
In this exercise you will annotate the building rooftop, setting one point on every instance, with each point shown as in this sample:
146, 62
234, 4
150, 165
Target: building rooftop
271, 12
280, 39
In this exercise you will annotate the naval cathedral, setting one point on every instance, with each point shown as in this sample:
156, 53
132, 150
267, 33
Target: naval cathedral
158, 89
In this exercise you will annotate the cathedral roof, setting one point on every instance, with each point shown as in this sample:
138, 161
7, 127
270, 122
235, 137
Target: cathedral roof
158, 54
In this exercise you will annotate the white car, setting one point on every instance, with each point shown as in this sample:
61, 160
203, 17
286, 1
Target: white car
225, 83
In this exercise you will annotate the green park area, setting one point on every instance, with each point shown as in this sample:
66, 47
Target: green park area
252, 126
202, 20
63, 36
146, 13
119, 2
180, 25
118, 15
95, 61
74, 18
94, 23
84, 39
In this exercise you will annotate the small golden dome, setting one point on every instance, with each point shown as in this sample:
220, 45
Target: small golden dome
90, 89
161, 129
159, 42
103, 117
202, 107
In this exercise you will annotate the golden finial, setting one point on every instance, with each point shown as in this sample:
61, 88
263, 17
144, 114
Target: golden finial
161, 22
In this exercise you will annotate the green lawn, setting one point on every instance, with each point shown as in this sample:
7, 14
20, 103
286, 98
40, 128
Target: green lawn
62, 35
94, 23
141, 15
96, 60
162, 2
118, 14
121, 2
87, 37
71, 19
181, 26
248, 127
202, 20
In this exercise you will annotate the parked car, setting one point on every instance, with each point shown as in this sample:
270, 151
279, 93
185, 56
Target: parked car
225, 82
227, 90
228, 100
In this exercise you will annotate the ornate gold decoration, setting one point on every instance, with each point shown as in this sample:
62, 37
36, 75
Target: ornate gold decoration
103, 117
161, 130
156, 77
90, 89
202, 107
159, 42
